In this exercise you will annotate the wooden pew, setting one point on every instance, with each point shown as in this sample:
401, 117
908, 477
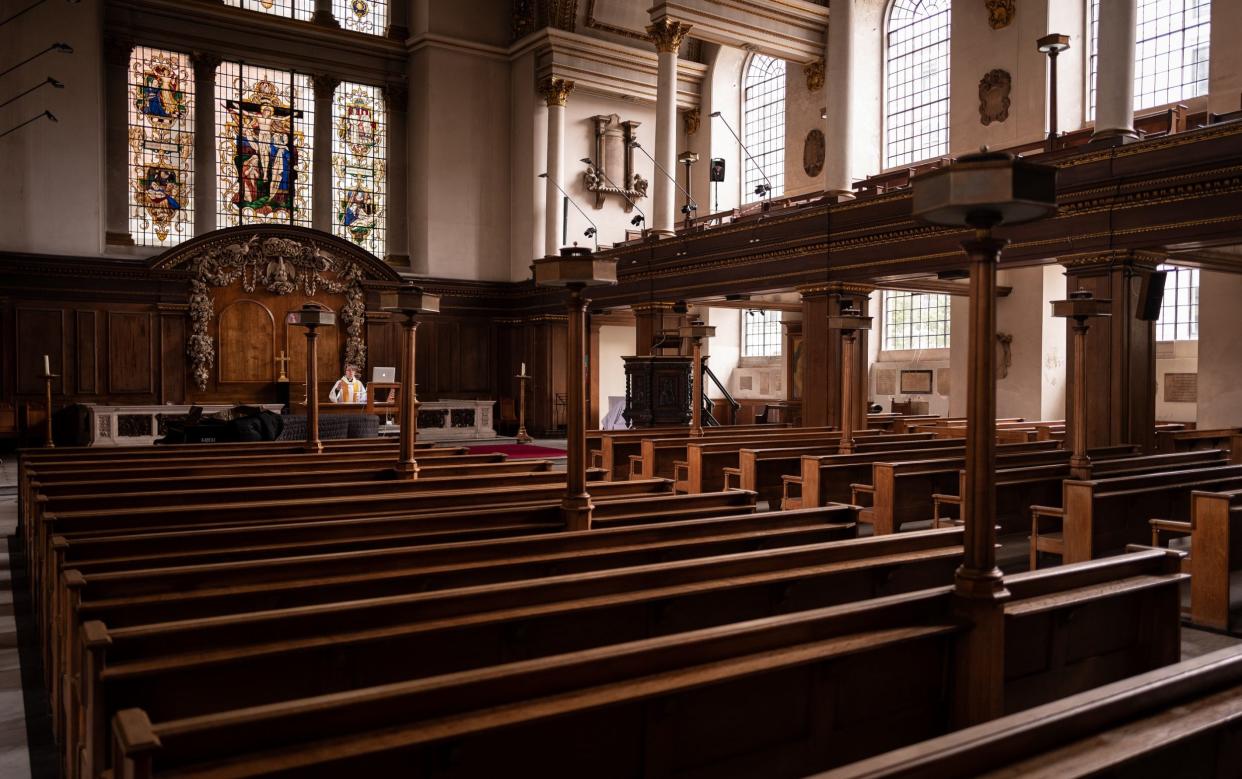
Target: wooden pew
709, 466
828, 478
1180, 720
1103, 515
1215, 531
1179, 440
149, 665
659, 455
762, 697
611, 449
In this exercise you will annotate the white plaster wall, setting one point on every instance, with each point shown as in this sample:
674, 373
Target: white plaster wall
1052, 404
1180, 357
721, 92
867, 87
959, 353
1220, 351
529, 157
931, 360
1225, 63
614, 341
1022, 314
726, 348
52, 174
802, 114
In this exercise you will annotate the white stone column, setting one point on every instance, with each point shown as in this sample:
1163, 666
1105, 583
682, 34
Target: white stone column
555, 92
1114, 93
839, 75
205, 165
667, 34
321, 155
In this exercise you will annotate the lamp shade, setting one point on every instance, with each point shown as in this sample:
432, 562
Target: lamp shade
410, 299
985, 189
312, 316
1053, 43
1082, 305
576, 266
697, 331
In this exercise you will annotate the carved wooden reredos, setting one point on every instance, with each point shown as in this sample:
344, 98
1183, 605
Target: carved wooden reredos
243, 283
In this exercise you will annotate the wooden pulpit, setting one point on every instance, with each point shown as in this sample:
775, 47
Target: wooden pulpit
657, 390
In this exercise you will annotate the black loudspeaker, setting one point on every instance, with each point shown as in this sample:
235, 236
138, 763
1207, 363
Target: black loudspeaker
717, 169
1151, 295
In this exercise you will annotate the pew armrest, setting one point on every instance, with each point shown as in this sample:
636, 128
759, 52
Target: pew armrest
861, 489
939, 500
789, 483
681, 470
1170, 526
597, 458
636, 466
1050, 544
732, 478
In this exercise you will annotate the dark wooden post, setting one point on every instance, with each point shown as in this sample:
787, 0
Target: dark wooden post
407, 466
577, 506
1080, 307
312, 390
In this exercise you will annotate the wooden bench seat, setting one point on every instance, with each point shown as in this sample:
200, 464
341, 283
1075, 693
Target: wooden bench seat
1215, 531
611, 450
658, 455
761, 697
1180, 720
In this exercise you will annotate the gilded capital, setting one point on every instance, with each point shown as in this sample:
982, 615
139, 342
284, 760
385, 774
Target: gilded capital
667, 34
555, 90
814, 72
325, 85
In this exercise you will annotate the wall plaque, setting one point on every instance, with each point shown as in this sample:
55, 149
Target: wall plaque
942, 382
916, 382
1181, 388
886, 382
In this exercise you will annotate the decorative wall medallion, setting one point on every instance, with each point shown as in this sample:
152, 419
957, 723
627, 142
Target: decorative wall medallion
994, 96
690, 120
813, 153
1000, 13
814, 72
612, 171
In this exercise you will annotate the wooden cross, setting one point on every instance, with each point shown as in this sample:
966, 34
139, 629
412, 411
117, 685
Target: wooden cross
283, 362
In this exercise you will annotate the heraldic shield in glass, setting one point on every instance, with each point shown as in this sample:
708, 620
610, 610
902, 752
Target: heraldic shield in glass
368, 16
264, 127
359, 146
161, 147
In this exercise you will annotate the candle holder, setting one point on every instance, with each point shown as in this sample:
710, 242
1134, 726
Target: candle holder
522, 436
47, 377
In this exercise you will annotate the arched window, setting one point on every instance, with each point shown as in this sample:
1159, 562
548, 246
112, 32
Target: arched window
916, 87
294, 9
265, 121
1170, 52
359, 157
1179, 310
161, 147
763, 127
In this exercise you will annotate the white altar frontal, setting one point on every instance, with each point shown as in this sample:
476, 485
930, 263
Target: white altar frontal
141, 425
451, 420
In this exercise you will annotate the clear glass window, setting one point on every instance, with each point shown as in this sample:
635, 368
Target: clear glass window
916, 100
761, 333
763, 127
915, 320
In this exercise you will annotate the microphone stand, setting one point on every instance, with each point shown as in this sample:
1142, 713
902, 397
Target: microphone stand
593, 233
767, 187
691, 204
621, 190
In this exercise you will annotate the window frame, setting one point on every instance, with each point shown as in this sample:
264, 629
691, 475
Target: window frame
1171, 288
777, 330
886, 163
746, 194
887, 354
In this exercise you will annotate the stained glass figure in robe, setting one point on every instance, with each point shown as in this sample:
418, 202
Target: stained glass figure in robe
161, 146
359, 165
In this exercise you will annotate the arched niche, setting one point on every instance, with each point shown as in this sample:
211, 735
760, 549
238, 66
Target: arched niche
246, 333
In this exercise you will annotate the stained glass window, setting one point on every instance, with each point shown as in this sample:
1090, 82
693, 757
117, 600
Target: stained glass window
763, 127
264, 128
359, 146
916, 115
293, 9
1179, 310
369, 16
915, 320
1170, 53
161, 147
761, 333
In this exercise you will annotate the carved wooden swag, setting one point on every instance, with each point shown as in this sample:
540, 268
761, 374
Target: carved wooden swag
994, 96
1004, 359
281, 266
1000, 13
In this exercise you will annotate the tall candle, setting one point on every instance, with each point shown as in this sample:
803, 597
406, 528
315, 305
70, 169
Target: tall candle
520, 373
47, 366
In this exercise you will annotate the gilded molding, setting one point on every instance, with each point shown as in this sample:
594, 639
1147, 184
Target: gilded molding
1146, 259
667, 34
814, 72
651, 306
555, 90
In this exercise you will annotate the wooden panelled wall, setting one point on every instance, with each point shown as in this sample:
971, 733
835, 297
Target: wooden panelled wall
135, 352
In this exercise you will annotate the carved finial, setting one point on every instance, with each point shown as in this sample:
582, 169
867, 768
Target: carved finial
667, 34
555, 90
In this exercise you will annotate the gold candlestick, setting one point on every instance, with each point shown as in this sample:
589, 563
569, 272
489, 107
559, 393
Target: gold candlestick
283, 362
47, 377
522, 436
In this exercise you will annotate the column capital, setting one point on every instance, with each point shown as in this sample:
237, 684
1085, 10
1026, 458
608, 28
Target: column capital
396, 95
118, 50
205, 62
667, 34
325, 86
555, 90
1134, 258
814, 72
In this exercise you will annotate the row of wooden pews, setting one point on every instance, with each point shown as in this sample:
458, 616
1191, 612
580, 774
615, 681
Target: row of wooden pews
383, 628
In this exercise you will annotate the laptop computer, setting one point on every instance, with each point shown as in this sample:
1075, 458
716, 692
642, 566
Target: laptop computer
384, 375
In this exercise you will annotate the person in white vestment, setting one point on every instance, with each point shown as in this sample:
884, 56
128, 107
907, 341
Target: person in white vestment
348, 389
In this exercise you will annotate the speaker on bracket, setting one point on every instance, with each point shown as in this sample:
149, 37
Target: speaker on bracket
1151, 295
717, 171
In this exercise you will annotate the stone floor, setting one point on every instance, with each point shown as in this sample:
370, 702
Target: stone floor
26, 747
